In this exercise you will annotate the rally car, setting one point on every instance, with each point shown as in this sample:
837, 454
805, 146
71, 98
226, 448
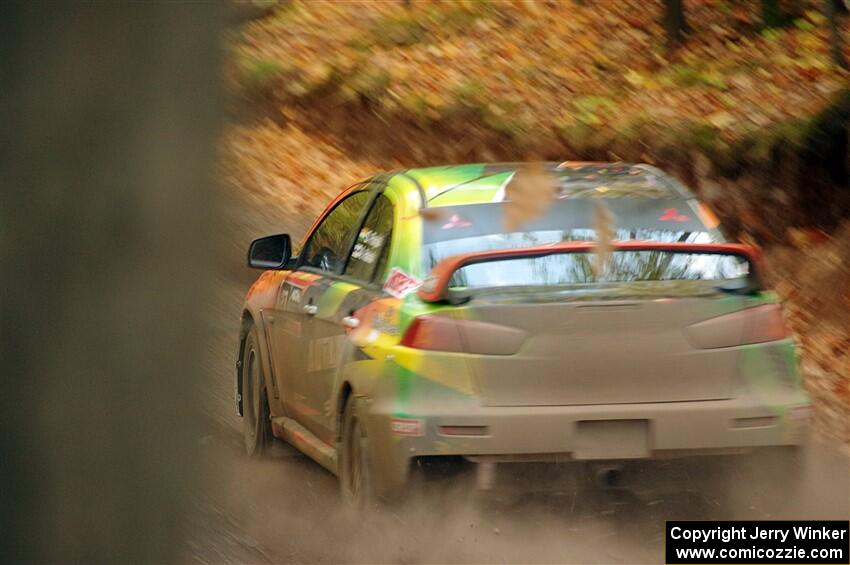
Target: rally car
411, 324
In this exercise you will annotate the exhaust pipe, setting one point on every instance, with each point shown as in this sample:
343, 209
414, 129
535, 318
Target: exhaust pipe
609, 476
485, 475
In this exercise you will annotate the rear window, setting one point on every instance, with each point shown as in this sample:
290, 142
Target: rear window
479, 227
620, 267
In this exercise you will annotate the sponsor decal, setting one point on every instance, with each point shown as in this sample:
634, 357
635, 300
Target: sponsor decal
386, 320
369, 244
399, 284
377, 319
672, 215
456, 221
407, 426
295, 295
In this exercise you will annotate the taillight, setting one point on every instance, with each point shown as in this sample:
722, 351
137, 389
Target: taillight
442, 333
765, 323
751, 325
433, 332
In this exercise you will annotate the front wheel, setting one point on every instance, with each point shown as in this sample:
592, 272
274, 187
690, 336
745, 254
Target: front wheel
256, 419
355, 475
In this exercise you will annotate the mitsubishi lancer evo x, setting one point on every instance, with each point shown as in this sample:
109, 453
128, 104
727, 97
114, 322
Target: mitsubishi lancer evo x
413, 324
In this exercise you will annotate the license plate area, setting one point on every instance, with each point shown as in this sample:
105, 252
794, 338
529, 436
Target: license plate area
611, 439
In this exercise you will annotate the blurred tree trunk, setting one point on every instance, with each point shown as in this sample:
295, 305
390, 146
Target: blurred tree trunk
675, 22
109, 116
836, 42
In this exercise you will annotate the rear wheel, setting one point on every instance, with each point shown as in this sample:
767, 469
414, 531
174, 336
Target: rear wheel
355, 475
256, 419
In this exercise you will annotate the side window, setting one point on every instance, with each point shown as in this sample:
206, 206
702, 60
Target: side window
369, 255
329, 243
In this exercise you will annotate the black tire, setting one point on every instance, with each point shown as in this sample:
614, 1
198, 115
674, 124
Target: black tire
355, 472
256, 419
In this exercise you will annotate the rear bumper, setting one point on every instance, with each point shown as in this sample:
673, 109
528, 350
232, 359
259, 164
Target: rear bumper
672, 429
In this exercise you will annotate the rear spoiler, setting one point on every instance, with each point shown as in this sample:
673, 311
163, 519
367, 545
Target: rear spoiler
436, 285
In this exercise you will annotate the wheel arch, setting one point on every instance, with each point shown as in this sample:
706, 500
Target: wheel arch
263, 294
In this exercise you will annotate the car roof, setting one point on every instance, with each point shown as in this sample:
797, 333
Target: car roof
477, 183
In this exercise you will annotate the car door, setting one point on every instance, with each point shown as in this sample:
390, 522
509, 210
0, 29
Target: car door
338, 304
319, 262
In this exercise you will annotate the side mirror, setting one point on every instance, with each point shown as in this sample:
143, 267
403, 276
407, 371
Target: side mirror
272, 252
